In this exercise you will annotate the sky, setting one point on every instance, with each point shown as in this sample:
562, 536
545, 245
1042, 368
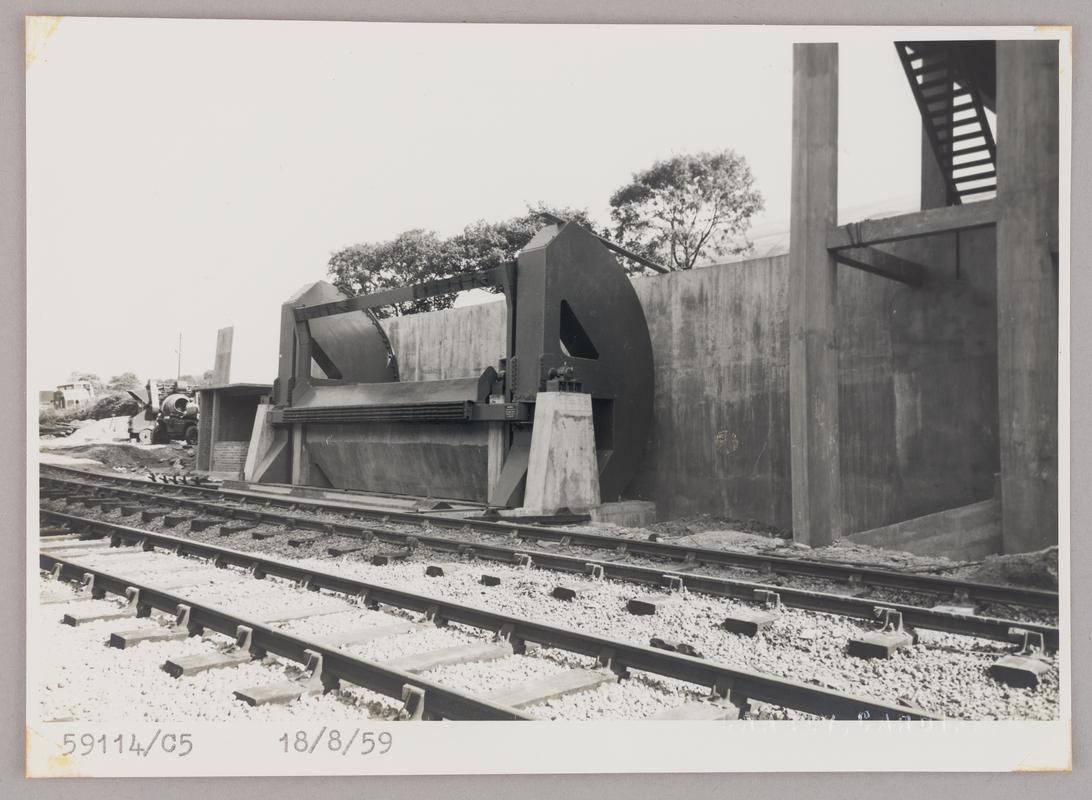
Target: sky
187, 175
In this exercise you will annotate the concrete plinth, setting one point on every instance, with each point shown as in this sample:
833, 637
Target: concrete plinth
627, 513
562, 471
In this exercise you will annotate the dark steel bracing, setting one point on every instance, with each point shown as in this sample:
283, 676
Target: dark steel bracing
740, 686
574, 322
440, 701
842, 605
770, 564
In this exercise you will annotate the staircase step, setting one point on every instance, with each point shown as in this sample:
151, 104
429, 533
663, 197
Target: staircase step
980, 162
947, 80
975, 176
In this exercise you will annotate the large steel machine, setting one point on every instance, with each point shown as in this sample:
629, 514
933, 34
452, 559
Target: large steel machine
341, 418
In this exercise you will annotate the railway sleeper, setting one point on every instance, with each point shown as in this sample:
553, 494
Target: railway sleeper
476, 652
559, 684
700, 710
749, 622
132, 608
312, 682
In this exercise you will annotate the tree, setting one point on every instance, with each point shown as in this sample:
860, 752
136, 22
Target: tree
687, 207
90, 377
418, 255
483, 244
126, 380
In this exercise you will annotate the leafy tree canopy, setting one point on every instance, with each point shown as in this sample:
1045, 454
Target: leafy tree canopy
418, 255
126, 380
686, 208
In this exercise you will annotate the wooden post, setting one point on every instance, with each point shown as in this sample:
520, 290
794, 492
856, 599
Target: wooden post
813, 353
1027, 292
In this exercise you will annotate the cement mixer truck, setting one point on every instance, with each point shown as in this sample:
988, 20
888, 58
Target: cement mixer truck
165, 415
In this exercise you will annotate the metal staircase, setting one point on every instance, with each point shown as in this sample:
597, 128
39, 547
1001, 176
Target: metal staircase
953, 84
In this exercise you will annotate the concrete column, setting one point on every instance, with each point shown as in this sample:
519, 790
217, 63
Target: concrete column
562, 471
1027, 292
813, 351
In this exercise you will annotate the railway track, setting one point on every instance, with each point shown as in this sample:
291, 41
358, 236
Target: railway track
108, 496
200, 498
727, 690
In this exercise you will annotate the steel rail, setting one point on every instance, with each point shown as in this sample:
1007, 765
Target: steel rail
440, 700
781, 565
842, 605
740, 686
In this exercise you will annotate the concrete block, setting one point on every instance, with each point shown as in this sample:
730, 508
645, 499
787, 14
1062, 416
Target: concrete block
569, 591
627, 513
202, 662
749, 621
562, 471
434, 571
490, 580
879, 645
285, 692
125, 639
1020, 671
261, 440
652, 604
965, 533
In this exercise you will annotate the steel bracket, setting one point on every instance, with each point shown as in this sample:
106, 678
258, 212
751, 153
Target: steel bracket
89, 585
595, 571
890, 619
244, 640
1029, 643
674, 583
769, 599
507, 633
432, 614
608, 659
413, 703
183, 618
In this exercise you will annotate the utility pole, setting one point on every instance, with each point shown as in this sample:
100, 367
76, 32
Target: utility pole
178, 377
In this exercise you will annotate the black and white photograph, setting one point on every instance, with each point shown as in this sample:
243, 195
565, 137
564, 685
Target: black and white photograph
701, 384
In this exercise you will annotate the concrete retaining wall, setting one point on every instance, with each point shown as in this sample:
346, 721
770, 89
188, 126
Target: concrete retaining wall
917, 373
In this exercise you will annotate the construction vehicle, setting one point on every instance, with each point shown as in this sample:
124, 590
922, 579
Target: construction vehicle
165, 414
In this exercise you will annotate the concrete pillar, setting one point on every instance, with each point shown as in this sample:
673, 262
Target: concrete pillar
261, 439
562, 471
1027, 291
813, 351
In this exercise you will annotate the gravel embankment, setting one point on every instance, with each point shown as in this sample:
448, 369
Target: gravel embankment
315, 545
945, 674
